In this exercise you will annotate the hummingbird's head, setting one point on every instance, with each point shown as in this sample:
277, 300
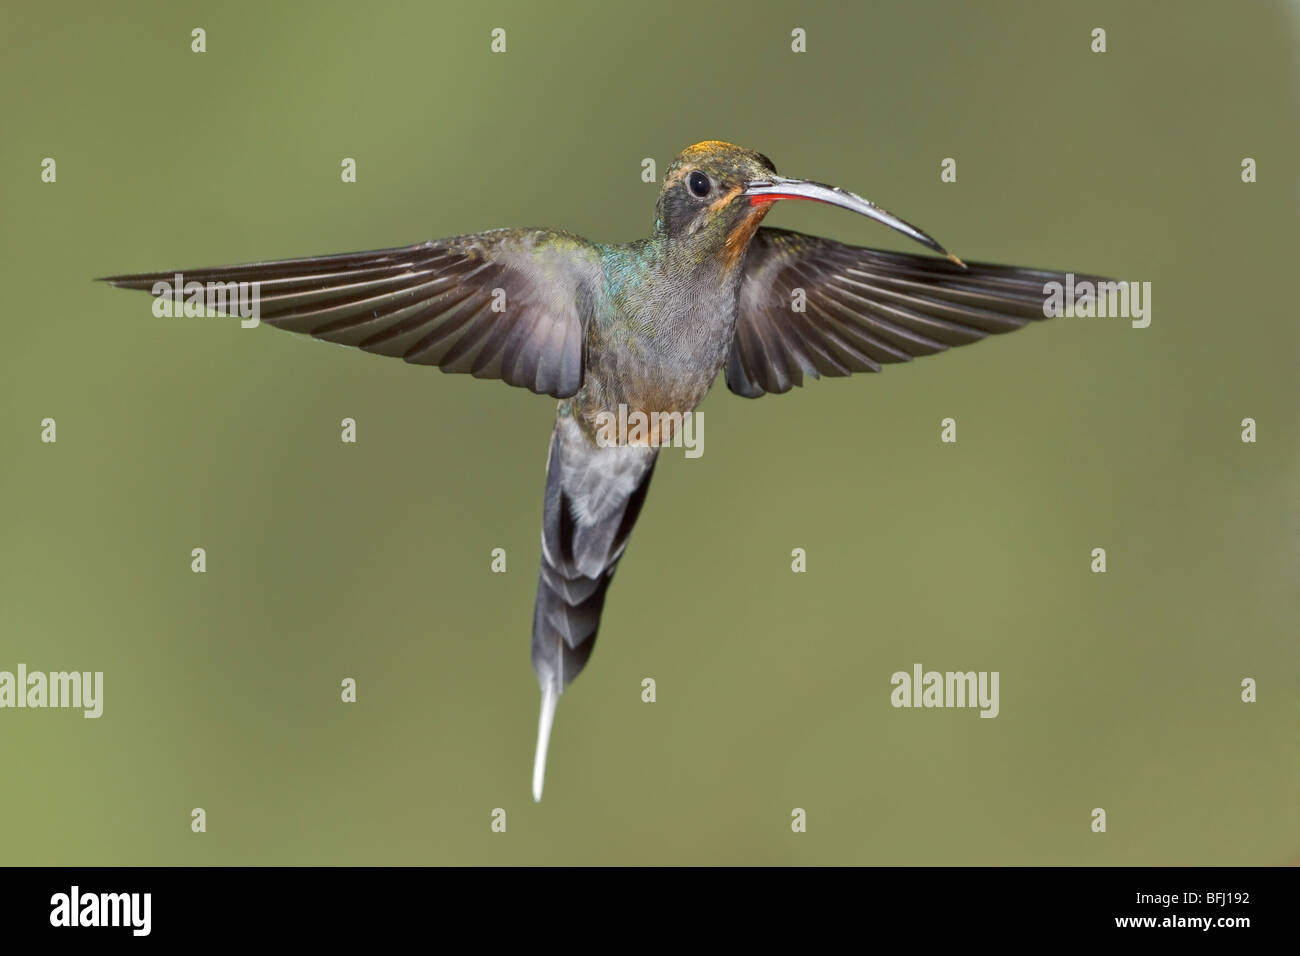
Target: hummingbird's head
703, 192
716, 194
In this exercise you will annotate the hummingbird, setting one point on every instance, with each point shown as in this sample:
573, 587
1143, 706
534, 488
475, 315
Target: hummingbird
645, 325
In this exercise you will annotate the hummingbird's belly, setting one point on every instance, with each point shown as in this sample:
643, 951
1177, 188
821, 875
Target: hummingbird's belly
658, 373
658, 349
604, 408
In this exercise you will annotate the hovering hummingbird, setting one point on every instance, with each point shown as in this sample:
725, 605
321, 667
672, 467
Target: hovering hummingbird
647, 325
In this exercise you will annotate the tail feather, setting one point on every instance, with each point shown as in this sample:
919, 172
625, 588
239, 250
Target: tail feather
549, 699
593, 498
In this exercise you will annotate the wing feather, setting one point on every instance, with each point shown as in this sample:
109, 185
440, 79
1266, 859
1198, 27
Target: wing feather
511, 304
863, 309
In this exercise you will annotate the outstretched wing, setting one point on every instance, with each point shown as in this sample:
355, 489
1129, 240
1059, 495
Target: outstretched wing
862, 308
510, 304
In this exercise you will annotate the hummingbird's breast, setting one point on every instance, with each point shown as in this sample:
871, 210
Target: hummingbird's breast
658, 340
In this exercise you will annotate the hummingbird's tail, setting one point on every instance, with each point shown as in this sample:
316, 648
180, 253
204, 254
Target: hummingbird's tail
593, 497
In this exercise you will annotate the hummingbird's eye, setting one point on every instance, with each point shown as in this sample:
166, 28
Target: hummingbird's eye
699, 184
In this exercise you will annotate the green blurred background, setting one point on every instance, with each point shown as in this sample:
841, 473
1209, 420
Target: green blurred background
328, 560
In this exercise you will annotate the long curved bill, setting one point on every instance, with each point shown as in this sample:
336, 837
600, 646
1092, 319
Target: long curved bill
779, 187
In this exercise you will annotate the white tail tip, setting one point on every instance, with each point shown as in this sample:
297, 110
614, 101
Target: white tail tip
549, 700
